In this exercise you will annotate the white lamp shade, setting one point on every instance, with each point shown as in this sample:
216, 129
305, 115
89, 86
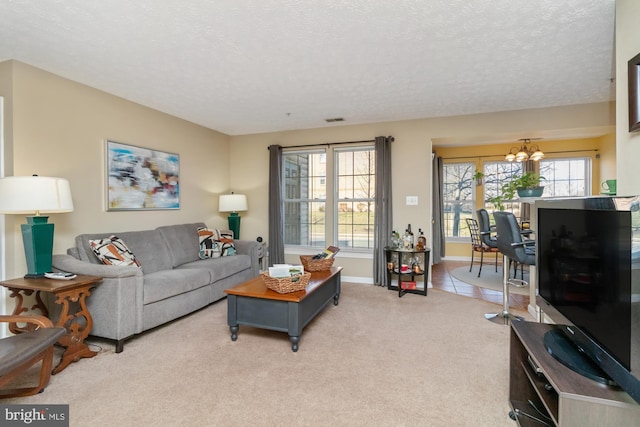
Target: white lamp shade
34, 195
538, 155
521, 156
233, 203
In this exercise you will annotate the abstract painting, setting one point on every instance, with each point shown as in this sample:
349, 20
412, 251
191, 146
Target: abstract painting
141, 178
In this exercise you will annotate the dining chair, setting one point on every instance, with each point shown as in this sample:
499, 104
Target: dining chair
477, 245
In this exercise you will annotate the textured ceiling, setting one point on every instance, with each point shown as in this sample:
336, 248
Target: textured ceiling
249, 66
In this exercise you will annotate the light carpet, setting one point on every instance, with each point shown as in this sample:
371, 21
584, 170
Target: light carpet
375, 359
488, 279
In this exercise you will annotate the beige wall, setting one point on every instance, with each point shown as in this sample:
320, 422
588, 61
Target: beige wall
58, 127
627, 144
411, 157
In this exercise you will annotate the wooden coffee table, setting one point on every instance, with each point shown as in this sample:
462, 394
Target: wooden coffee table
251, 303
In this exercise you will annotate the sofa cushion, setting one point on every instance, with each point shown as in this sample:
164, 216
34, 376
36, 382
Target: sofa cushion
220, 268
182, 242
147, 245
215, 243
169, 283
113, 251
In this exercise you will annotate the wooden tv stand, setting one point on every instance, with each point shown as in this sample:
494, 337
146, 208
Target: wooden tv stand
566, 397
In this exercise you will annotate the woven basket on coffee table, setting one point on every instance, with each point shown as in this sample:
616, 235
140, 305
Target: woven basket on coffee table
311, 264
286, 285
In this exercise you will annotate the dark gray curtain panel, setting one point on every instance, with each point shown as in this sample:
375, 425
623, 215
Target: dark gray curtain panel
276, 208
383, 208
438, 247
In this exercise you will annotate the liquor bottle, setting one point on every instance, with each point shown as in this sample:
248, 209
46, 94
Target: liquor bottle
411, 238
422, 241
407, 240
394, 240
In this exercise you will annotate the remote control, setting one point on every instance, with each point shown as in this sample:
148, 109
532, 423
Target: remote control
59, 275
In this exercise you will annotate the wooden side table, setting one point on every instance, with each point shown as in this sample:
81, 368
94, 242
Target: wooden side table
78, 324
407, 264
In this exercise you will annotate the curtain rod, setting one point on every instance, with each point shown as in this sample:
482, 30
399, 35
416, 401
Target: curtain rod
330, 143
498, 155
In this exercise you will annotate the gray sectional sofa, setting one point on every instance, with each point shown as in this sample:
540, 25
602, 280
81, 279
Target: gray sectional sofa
172, 282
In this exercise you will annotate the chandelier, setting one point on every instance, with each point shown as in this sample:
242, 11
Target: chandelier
524, 153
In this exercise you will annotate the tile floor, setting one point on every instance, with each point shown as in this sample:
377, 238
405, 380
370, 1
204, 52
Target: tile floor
442, 279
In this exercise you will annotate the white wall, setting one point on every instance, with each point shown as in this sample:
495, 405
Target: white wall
3, 297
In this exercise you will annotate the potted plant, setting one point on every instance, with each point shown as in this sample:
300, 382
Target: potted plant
526, 185
478, 176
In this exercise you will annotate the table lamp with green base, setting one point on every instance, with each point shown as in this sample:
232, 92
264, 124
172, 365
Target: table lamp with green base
33, 195
233, 203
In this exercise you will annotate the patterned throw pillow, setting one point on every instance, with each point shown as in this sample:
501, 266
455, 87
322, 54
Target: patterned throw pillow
214, 243
226, 242
208, 241
113, 251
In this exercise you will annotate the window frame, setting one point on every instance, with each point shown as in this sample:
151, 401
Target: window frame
337, 200
308, 200
513, 207
587, 170
331, 200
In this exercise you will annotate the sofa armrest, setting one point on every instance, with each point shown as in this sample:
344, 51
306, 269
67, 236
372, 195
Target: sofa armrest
251, 248
72, 265
116, 304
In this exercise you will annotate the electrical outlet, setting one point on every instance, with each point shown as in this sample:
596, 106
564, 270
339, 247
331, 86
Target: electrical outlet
412, 200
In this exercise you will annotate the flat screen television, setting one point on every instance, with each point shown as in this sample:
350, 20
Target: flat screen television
588, 265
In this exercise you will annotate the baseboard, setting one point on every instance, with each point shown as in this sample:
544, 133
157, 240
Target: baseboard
456, 258
357, 279
367, 280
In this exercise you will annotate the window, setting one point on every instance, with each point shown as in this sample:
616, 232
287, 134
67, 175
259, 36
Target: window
345, 219
304, 195
565, 177
458, 197
356, 197
497, 174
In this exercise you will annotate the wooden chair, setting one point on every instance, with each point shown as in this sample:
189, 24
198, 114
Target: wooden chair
478, 246
20, 352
